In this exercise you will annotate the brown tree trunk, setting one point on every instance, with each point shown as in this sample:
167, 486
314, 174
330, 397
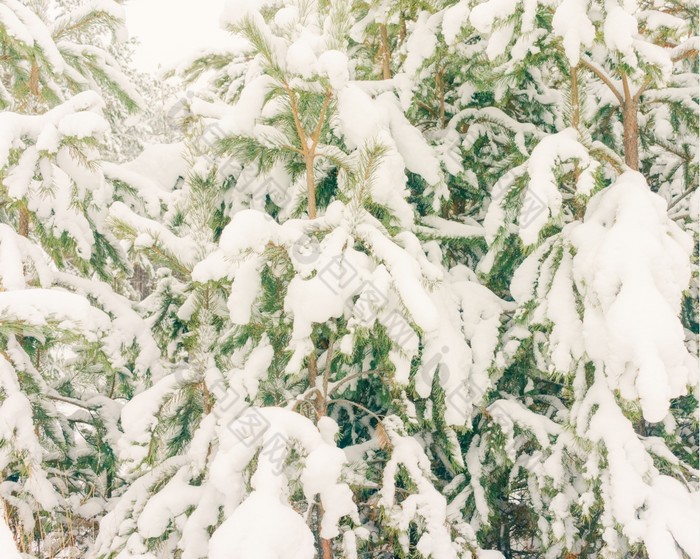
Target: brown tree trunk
440, 90
310, 183
386, 52
631, 130
313, 369
308, 142
576, 113
630, 126
23, 221
629, 104
326, 549
34, 80
321, 410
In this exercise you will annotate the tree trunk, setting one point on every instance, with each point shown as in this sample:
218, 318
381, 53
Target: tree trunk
23, 221
386, 52
440, 91
34, 80
326, 549
630, 126
576, 110
310, 183
141, 282
631, 130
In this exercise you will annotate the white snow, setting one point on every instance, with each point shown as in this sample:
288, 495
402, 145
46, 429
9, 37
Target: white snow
571, 22
334, 64
453, 20
36, 307
245, 534
632, 265
421, 42
619, 30
7, 543
543, 185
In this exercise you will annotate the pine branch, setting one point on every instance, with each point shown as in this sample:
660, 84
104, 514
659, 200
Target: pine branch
603, 77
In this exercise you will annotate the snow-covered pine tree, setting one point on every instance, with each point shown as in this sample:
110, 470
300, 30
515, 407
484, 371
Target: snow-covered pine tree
412, 295
69, 343
597, 359
303, 317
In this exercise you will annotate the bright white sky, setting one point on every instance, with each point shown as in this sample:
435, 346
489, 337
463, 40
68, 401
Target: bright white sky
170, 30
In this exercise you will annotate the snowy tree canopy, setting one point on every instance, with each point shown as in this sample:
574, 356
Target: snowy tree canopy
374, 279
